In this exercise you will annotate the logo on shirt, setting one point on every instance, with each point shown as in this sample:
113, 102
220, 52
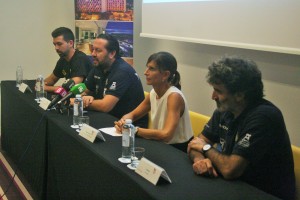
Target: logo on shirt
245, 142
64, 72
97, 77
223, 127
113, 86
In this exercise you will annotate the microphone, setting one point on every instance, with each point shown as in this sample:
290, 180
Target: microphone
68, 84
76, 89
62, 92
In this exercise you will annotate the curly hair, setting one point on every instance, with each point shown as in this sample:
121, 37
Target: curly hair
238, 76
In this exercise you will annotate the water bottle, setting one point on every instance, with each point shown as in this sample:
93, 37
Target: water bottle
126, 141
132, 138
77, 110
39, 88
19, 76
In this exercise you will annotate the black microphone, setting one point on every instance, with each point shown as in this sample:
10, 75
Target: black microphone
76, 89
62, 92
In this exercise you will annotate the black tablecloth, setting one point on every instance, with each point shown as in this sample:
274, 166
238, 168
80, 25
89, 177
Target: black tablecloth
70, 167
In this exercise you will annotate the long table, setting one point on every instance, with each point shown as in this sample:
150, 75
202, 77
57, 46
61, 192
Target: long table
71, 167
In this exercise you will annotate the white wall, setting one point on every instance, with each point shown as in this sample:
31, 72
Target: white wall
281, 73
25, 36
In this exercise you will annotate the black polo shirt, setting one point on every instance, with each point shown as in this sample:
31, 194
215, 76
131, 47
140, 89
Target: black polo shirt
121, 81
260, 136
79, 66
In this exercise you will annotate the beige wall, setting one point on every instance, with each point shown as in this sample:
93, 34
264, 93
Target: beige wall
25, 40
25, 37
281, 73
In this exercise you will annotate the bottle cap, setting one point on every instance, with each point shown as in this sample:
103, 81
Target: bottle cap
78, 96
128, 121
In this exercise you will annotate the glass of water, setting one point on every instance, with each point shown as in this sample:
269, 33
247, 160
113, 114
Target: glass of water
83, 120
136, 156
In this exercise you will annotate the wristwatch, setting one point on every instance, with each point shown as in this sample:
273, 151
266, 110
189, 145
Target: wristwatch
206, 147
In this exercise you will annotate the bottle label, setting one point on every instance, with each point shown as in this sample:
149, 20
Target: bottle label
37, 87
75, 109
125, 138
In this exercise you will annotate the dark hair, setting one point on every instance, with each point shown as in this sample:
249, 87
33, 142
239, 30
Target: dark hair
167, 62
65, 32
238, 76
112, 43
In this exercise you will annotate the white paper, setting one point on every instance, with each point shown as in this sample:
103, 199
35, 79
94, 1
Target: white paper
151, 172
44, 103
23, 87
110, 131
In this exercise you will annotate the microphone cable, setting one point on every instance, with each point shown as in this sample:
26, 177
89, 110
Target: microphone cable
23, 155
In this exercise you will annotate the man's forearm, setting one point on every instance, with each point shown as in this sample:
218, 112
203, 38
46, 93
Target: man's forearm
196, 155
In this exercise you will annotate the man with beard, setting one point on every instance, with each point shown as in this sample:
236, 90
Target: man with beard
252, 141
113, 86
72, 63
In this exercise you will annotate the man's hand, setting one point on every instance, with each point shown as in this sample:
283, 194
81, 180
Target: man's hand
87, 100
196, 144
204, 167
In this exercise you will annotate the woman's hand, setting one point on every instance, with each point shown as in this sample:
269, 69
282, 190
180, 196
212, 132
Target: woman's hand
118, 125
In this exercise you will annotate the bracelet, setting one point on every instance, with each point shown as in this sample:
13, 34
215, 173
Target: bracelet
137, 130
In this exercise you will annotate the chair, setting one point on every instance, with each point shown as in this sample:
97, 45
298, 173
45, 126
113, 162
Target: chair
296, 155
198, 122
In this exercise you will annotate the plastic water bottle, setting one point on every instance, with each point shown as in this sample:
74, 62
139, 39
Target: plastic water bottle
19, 76
39, 88
77, 110
126, 141
132, 138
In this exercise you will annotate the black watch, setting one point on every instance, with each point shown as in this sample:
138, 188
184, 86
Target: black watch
206, 147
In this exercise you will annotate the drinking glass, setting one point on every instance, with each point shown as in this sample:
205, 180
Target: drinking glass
136, 156
83, 120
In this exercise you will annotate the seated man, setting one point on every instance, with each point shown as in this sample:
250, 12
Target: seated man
72, 63
114, 85
254, 143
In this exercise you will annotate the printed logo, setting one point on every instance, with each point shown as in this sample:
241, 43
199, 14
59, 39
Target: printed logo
64, 72
223, 127
96, 77
113, 86
245, 142
222, 143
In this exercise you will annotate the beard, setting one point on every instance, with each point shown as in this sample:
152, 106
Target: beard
104, 65
63, 54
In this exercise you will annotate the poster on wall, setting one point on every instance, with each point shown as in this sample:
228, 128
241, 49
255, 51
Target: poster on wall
115, 17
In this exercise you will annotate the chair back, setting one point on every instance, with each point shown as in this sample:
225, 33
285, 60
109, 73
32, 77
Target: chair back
198, 122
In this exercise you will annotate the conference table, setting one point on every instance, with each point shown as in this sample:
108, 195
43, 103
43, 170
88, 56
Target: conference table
60, 164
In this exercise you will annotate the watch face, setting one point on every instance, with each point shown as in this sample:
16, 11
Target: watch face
206, 147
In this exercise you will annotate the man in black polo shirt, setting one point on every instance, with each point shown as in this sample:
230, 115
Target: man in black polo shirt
114, 85
72, 63
253, 142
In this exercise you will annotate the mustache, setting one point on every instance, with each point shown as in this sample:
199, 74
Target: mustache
218, 103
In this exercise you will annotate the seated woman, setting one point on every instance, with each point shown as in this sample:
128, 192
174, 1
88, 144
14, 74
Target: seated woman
169, 111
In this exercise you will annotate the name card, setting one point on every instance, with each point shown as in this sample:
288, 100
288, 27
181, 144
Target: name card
90, 133
151, 171
23, 87
44, 103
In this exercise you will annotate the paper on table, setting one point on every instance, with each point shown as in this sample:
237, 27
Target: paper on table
110, 131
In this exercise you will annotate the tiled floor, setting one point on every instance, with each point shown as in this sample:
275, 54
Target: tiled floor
7, 185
